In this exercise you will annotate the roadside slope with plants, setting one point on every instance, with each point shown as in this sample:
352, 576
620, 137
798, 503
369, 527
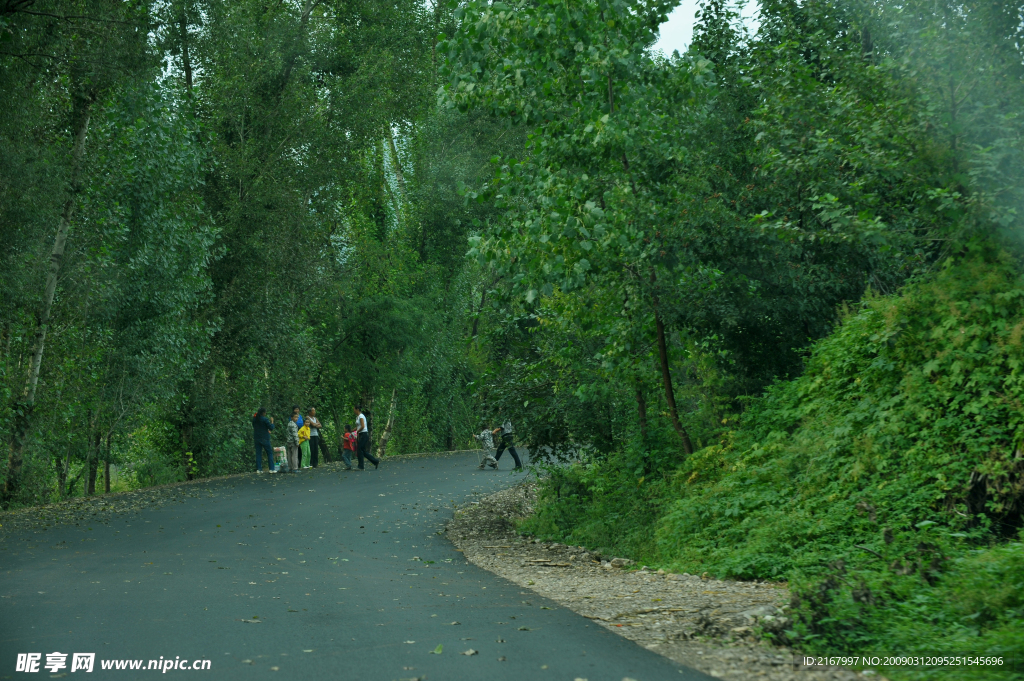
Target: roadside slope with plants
885, 482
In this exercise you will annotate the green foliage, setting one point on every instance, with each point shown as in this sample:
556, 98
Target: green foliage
602, 506
873, 482
909, 412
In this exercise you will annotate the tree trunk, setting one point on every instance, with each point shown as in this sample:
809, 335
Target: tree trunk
187, 457
386, 435
480, 311
23, 409
666, 378
65, 471
57, 254
106, 467
399, 175
641, 409
93, 464
58, 468
186, 62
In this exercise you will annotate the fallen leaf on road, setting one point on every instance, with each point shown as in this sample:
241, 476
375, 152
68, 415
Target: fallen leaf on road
437, 650
470, 652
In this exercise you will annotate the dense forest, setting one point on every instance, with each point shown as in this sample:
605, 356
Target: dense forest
760, 305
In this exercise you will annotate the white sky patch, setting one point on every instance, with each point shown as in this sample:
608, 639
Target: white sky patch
677, 32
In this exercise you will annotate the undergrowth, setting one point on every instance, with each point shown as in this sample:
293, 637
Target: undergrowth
886, 483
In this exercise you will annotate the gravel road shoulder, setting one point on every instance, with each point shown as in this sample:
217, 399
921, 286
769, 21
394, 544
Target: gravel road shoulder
706, 624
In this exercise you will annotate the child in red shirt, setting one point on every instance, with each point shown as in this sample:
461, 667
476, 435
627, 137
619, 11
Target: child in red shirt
348, 446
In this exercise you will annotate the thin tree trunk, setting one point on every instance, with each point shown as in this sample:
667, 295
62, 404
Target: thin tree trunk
23, 410
186, 62
106, 466
386, 435
74, 481
65, 471
187, 456
641, 408
479, 311
57, 256
433, 41
399, 175
666, 378
58, 468
94, 460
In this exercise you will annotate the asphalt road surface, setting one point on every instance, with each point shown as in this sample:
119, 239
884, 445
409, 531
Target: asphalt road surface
324, 574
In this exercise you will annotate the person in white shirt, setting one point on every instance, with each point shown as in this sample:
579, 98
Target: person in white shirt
363, 440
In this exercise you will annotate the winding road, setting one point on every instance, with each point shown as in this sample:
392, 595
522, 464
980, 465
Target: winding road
326, 574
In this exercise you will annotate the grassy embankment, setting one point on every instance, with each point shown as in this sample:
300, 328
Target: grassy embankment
886, 483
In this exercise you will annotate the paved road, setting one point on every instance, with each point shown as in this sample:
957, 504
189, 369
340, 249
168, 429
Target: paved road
319, 575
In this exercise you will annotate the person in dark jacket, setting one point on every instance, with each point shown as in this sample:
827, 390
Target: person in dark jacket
506, 433
261, 427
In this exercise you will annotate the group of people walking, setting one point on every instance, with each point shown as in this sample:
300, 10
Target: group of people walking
304, 441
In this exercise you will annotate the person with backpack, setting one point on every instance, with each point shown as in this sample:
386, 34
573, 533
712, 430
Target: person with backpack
506, 433
261, 427
363, 439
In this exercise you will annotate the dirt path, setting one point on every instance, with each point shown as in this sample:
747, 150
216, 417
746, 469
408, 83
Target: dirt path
703, 623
